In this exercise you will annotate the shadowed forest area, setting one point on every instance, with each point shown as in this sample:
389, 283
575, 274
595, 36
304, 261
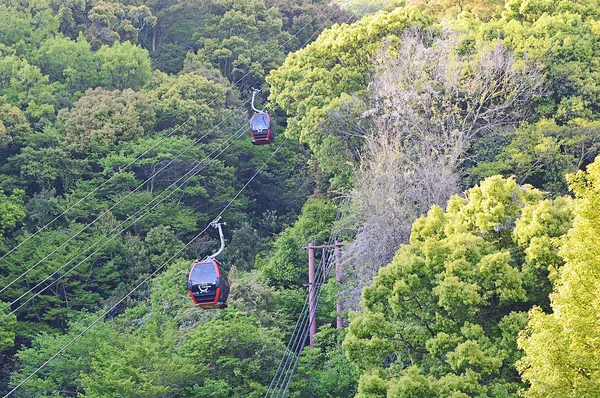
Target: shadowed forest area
450, 145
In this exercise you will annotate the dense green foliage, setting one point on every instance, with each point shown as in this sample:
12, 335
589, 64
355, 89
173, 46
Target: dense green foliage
99, 129
123, 133
560, 356
441, 320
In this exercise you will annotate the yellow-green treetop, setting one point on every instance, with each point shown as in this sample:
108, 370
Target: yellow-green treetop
442, 319
562, 351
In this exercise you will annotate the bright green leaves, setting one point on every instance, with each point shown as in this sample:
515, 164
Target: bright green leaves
337, 63
110, 360
8, 328
563, 35
542, 153
111, 21
23, 85
442, 318
189, 100
561, 353
235, 351
69, 62
140, 363
12, 212
13, 126
287, 262
25, 25
124, 65
491, 207
243, 39
370, 340
324, 371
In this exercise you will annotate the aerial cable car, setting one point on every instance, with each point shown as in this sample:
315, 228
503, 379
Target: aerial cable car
261, 128
207, 282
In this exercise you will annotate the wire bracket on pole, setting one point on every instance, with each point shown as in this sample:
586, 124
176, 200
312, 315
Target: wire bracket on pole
254, 92
217, 224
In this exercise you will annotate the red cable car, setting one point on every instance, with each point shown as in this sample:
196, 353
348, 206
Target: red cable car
208, 285
263, 132
261, 128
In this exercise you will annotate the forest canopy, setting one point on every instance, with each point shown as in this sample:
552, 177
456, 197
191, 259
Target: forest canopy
451, 147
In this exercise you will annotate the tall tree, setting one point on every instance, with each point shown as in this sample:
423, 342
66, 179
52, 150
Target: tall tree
243, 39
316, 80
110, 21
429, 105
104, 118
286, 264
542, 153
69, 62
562, 35
561, 350
169, 13
442, 319
191, 102
12, 212
124, 65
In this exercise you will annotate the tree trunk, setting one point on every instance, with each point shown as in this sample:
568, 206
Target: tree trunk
154, 39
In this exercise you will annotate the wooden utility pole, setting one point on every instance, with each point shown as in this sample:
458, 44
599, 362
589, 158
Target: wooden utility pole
312, 304
338, 277
312, 288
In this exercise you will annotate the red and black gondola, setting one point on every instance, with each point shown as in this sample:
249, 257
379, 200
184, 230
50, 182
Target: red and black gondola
261, 128
208, 284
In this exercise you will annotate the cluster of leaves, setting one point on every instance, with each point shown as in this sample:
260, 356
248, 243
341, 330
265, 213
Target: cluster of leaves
442, 318
142, 353
317, 80
560, 356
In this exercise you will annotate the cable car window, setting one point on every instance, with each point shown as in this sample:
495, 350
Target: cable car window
260, 121
204, 273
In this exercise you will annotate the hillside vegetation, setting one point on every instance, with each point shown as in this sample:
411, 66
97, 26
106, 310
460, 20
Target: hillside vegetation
451, 146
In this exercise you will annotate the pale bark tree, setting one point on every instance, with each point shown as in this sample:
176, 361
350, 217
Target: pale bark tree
429, 105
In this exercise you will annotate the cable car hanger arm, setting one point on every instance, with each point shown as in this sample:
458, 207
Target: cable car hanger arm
216, 224
254, 92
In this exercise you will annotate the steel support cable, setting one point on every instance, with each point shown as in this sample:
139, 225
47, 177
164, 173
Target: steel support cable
117, 203
295, 341
328, 263
80, 334
318, 293
287, 355
269, 56
291, 348
192, 173
298, 341
290, 375
179, 250
287, 351
295, 345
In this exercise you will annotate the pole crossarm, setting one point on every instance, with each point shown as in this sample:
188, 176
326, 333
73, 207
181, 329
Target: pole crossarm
323, 246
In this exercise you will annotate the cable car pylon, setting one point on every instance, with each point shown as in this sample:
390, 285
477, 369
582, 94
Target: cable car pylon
207, 282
